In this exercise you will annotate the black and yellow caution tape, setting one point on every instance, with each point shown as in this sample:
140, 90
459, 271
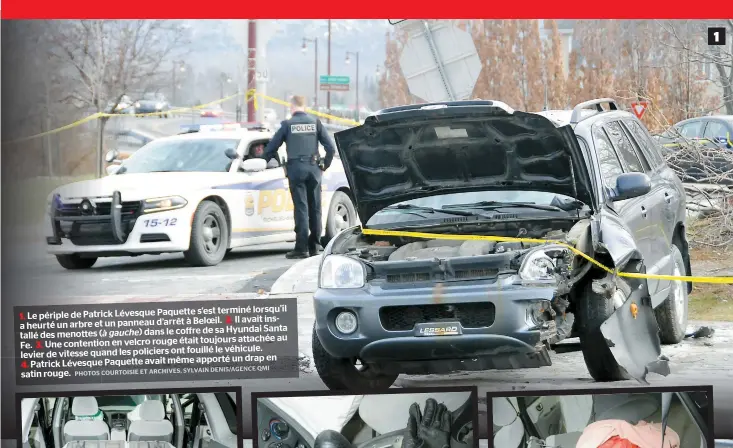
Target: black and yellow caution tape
501, 239
249, 95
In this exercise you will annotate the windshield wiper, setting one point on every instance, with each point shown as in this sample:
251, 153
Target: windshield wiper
419, 208
491, 205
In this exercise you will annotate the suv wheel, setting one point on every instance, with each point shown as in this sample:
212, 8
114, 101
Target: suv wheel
343, 374
672, 313
592, 310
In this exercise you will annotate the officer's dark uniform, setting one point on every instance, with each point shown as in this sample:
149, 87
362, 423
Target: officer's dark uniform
302, 133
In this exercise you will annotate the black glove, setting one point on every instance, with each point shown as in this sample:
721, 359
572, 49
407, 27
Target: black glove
430, 429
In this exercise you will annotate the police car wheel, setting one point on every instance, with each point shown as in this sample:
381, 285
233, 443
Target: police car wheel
341, 215
209, 236
345, 374
74, 261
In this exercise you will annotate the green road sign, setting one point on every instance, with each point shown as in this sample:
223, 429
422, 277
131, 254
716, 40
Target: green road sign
325, 79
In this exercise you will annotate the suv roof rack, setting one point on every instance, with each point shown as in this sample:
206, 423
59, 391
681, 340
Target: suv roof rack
575, 118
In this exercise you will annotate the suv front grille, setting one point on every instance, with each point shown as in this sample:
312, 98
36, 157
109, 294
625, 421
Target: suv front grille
470, 315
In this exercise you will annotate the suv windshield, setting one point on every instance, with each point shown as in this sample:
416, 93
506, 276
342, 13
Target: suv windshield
196, 155
452, 202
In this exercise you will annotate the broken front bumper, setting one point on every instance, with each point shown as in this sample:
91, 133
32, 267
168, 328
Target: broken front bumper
632, 334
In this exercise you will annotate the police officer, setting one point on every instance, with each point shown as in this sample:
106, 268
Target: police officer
302, 133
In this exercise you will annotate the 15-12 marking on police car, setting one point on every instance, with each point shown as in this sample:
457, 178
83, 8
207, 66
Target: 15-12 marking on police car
309, 128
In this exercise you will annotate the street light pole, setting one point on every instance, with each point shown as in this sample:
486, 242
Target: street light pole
252, 67
315, 69
358, 109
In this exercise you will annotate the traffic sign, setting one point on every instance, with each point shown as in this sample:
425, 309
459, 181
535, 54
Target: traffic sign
331, 83
439, 61
639, 108
335, 87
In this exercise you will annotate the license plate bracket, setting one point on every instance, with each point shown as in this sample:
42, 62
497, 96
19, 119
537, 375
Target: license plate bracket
434, 329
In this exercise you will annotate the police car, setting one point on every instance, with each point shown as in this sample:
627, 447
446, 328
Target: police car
202, 192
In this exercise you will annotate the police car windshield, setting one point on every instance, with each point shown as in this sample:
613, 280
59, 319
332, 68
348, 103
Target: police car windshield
195, 155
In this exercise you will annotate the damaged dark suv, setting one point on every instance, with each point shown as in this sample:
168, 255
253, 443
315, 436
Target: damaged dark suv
591, 179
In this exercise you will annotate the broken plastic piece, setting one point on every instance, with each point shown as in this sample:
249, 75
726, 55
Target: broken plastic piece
634, 310
702, 332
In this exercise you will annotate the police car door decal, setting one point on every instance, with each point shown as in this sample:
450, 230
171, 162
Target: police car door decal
275, 207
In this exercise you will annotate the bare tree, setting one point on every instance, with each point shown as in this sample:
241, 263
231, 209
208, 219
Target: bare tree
102, 60
109, 58
689, 39
554, 69
393, 90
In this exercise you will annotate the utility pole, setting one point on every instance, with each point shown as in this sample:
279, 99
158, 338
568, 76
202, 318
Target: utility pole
252, 67
328, 94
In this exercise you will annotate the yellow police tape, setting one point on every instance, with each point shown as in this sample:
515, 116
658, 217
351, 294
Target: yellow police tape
249, 95
500, 239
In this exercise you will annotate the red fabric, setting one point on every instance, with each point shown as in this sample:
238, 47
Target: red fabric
618, 442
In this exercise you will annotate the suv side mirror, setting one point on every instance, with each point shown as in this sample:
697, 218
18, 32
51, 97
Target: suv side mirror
631, 185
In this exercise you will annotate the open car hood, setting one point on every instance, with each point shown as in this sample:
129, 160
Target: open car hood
412, 152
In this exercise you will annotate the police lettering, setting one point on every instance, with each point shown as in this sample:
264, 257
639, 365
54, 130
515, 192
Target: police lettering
309, 128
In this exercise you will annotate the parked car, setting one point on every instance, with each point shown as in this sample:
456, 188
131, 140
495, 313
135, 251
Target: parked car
170, 420
595, 180
153, 103
123, 106
562, 421
715, 129
213, 111
694, 147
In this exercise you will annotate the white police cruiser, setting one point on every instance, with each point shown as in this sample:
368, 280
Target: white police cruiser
202, 192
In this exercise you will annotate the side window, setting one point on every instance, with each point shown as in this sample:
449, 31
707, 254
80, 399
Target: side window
637, 149
692, 130
715, 130
609, 163
624, 147
648, 145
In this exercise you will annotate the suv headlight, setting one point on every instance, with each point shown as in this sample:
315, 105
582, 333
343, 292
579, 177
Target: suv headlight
163, 204
159, 106
537, 266
339, 272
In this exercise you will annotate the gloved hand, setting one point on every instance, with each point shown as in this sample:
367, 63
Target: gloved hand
429, 429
